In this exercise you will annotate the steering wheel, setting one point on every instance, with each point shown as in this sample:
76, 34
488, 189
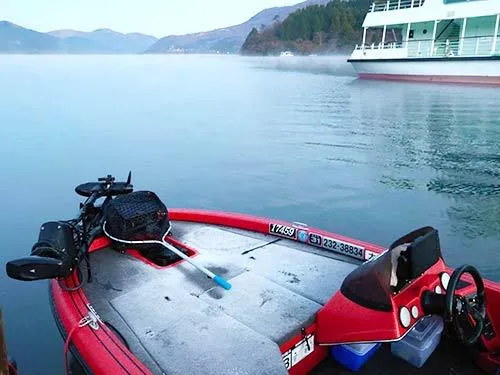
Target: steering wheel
458, 308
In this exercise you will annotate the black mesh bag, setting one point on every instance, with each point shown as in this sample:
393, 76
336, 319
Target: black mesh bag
139, 216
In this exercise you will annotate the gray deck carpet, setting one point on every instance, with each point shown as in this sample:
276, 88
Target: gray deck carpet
186, 335
177, 322
303, 273
266, 307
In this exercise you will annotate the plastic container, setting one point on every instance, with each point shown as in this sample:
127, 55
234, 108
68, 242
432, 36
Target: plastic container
353, 356
419, 343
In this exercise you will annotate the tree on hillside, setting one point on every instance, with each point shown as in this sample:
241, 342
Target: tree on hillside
251, 40
338, 24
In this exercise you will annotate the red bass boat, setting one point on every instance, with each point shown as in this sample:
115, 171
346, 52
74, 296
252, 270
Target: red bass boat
137, 289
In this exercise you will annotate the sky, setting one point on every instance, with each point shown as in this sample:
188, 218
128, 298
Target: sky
155, 17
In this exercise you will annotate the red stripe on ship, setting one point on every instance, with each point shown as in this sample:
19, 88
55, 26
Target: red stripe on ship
481, 80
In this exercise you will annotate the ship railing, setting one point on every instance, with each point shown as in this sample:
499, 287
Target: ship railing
478, 46
388, 45
467, 46
382, 6
446, 48
419, 48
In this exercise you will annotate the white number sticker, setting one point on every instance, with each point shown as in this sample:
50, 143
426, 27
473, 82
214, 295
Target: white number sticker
301, 350
283, 231
343, 247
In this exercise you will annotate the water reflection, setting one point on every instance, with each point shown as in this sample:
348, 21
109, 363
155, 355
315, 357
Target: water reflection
368, 159
443, 139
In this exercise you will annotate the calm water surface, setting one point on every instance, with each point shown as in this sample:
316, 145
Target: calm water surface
299, 139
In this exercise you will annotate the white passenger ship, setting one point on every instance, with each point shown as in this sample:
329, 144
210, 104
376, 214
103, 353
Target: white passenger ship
431, 40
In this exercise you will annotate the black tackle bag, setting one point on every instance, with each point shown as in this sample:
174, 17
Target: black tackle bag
139, 216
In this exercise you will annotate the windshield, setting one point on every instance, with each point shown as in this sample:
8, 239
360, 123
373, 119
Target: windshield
372, 284
369, 284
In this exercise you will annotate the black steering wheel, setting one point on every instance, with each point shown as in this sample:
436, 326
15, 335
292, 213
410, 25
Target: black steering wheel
458, 309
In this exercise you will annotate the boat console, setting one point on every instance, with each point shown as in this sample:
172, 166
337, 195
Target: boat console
399, 288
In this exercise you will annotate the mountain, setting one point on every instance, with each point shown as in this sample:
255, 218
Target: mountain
67, 33
17, 39
107, 40
228, 39
317, 29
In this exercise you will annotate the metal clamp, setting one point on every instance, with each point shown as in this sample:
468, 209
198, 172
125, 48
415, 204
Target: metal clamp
91, 319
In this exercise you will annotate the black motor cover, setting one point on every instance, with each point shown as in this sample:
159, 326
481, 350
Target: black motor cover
34, 268
57, 240
53, 256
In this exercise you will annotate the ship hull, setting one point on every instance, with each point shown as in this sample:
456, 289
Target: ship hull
485, 71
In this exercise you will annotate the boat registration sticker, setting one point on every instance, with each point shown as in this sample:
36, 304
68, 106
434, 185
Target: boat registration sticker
370, 254
315, 239
301, 350
283, 231
342, 247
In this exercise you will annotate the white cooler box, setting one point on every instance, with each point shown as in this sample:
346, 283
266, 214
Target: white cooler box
418, 344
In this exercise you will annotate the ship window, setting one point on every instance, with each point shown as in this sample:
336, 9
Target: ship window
394, 34
374, 35
410, 35
424, 31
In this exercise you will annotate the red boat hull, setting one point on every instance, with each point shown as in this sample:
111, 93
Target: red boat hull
100, 351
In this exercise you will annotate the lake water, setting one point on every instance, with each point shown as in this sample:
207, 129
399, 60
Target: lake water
299, 139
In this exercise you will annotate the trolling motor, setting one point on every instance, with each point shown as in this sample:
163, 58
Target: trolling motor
62, 244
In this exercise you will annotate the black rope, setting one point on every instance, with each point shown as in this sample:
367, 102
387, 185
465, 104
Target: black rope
87, 262
79, 277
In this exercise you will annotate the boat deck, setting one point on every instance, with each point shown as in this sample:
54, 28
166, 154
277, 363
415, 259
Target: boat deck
177, 322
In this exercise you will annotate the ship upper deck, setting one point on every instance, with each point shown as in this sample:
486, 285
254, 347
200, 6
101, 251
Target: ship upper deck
402, 29
391, 12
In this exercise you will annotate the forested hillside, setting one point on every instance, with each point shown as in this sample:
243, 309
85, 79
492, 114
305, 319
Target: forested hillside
330, 28
227, 39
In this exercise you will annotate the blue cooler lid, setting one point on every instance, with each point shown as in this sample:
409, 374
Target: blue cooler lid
359, 349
